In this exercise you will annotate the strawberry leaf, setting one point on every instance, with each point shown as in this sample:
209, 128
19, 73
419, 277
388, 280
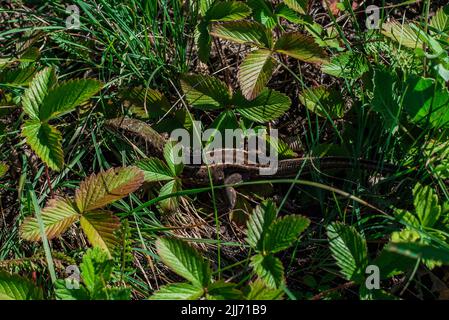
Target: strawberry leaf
254, 72
45, 140
65, 97
184, 260
37, 91
244, 32
104, 188
300, 47
57, 216
100, 227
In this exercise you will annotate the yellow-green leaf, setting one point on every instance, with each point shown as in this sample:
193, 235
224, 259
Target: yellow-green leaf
37, 91
254, 72
67, 96
227, 11
205, 92
57, 216
300, 47
244, 32
146, 103
299, 6
3, 169
184, 260
155, 170
323, 101
45, 140
402, 33
267, 106
14, 287
100, 227
440, 21
171, 203
106, 187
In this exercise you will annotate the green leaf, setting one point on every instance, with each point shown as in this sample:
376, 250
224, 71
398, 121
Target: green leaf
221, 290
14, 287
65, 97
384, 101
18, 77
259, 224
426, 205
155, 169
283, 11
263, 13
254, 72
227, 11
299, 6
440, 21
349, 250
420, 251
129, 126
282, 148
101, 189
146, 103
268, 105
203, 41
30, 54
57, 216
244, 32
226, 120
269, 269
38, 89
259, 291
178, 291
347, 65
3, 169
407, 217
62, 293
45, 140
96, 270
205, 92
184, 260
170, 204
402, 33
118, 293
204, 6
300, 47
375, 294
391, 264
283, 232
173, 159
325, 102
100, 228
427, 102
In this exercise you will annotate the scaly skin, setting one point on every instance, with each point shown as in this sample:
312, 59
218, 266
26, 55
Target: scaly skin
288, 168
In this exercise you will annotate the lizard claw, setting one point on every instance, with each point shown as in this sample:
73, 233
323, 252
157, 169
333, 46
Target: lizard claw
231, 194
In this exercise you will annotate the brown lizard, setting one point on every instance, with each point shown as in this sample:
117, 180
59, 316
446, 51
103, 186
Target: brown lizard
199, 174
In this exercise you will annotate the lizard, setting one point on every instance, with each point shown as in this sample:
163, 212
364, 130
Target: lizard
233, 173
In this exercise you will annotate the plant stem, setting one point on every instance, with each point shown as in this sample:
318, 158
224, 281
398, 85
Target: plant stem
48, 257
47, 174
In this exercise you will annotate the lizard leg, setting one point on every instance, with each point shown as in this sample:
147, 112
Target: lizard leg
231, 194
